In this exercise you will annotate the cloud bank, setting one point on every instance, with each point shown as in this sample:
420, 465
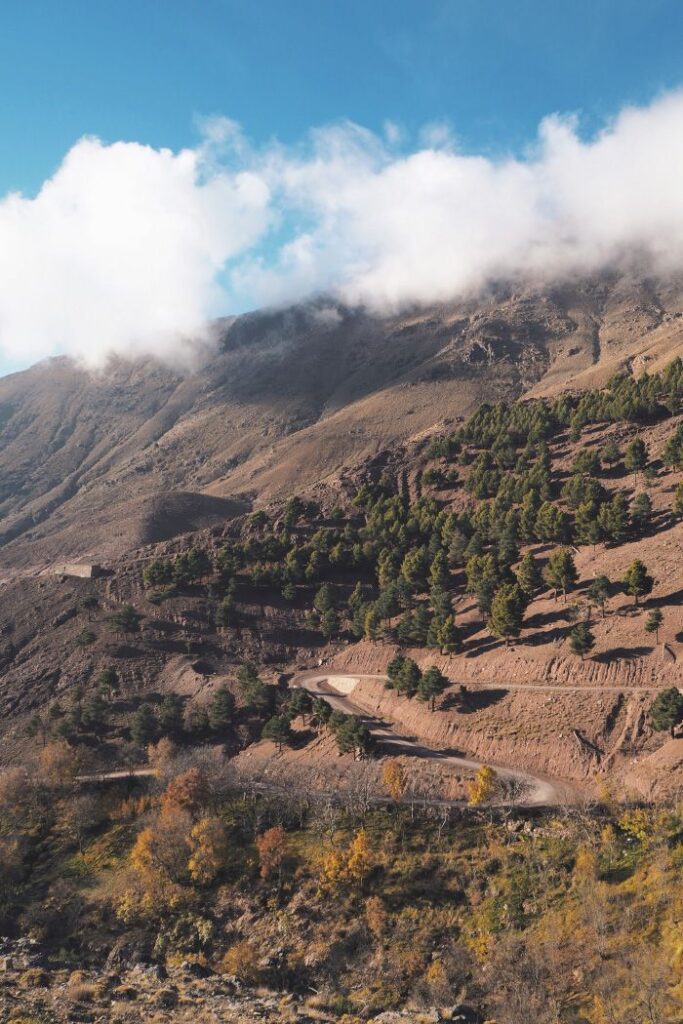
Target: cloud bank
130, 250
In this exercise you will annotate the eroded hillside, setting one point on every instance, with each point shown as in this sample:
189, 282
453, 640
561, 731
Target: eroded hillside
93, 466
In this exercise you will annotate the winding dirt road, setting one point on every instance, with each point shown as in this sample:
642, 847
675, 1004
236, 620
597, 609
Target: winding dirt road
526, 788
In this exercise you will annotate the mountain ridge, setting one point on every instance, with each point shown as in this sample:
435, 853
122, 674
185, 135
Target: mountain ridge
290, 399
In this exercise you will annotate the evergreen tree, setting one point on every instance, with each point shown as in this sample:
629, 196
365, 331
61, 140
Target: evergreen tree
507, 553
94, 716
221, 710
226, 613
257, 695
641, 512
636, 458
529, 575
587, 527
581, 640
144, 728
322, 711
551, 523
457, 547
126, 620
527, 515
614, 519
654, 622
171, 715
586, 462
408, 678
666, 711
387, 603
507, 612
610, 454
560, 572
677, 507
432, 684
356, 598
637, 582
448, 636
394, 669
277, 730
438, 572
329, 623
599, 591
405, 628
353, 736
322, 602
440, 601
371, 623
300, 704
421, 621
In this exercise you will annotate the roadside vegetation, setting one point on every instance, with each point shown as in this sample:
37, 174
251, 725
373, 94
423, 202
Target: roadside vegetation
567, 916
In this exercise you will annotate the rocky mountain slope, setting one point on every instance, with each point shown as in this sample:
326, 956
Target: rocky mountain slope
94, 465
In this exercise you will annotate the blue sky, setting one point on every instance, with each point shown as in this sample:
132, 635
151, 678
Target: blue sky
144, 70
129, 245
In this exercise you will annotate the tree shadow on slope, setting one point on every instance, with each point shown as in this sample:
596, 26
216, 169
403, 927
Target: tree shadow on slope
622, 654
467, 702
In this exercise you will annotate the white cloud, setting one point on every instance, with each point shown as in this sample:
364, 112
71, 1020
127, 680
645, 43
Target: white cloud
130, 250
120, 251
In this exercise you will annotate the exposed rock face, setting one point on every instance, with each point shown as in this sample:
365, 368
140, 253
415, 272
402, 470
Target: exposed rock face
91, 466
137, 994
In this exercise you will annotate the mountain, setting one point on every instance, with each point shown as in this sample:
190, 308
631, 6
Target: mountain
92, 465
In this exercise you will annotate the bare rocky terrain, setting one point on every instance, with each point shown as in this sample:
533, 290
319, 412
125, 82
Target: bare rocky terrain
95, 465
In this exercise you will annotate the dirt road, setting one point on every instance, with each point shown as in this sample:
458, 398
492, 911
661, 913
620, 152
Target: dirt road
526, 788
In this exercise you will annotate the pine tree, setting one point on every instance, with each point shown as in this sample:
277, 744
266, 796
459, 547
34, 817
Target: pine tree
322, 602
432, 684
438, 572
654, 622
226, 613
641, 512
613, 518
599, 591
551, 523
677, 507
448, 636
581, 640
636, 458
126, 620
610, 453
456, 548
371, 623
221, 709
560, 572
356, 597
408, 678
666, 711
529, 574
171, 715
329, 623
421, 620
277, 730
587, 527
637, 582
394, 669
144, 728
507, 612
300, 704
405, 628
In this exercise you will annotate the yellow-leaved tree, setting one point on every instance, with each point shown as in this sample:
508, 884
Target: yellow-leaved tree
484, 787
395, 779
209, 846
